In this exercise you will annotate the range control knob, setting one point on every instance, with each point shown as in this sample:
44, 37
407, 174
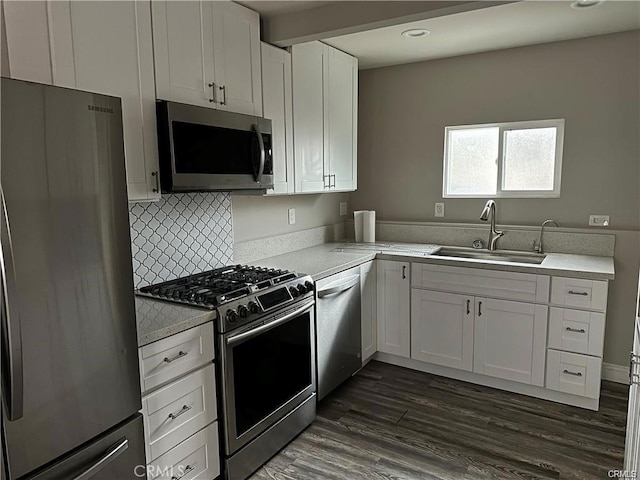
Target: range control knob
309, 286
302, 289
243, 311
232, 316
254, 307
294, 292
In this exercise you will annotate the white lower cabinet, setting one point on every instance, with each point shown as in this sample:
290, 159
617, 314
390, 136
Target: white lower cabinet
177, 411
368, 295
442, 328
195, 458
573, 373
510, 340
393, 297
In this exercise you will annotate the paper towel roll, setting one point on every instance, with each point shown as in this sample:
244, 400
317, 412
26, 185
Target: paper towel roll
358, 223
369, 226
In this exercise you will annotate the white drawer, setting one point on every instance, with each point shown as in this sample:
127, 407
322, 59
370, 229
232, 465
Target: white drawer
576, 292
177, 411
169, 358
195, 458
486, 283
576, 331
573, 373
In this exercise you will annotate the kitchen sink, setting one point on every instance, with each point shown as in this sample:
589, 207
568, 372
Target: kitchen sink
496, 256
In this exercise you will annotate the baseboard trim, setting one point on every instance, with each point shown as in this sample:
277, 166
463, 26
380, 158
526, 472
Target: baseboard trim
615, 373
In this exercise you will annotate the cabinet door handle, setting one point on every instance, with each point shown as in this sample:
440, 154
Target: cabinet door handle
468, 307
404, 270
324, 181
634, 378
224, 95
569, 329
571, 292
479, 309
184, 409
334, 181
575, 374
157, 179
212, 85
179, 355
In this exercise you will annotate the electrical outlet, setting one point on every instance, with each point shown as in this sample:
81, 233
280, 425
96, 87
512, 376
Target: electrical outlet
343, 208
598, 220
439, 209
292, 216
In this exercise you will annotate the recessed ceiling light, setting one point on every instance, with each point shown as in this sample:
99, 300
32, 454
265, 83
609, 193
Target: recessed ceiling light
415, 33
585, 3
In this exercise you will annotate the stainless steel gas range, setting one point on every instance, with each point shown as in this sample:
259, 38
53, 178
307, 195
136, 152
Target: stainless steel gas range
266, 349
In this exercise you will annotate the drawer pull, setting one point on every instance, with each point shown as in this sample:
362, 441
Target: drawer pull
186, 470
179, 355
569, 329
468, 304
184, 409
575, 374
584, 294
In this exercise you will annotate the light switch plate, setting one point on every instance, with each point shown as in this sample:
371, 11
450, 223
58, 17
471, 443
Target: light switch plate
292, 216
343, 208
598, 220
439, 209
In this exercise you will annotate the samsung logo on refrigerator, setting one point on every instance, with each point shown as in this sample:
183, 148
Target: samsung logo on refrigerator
96, 108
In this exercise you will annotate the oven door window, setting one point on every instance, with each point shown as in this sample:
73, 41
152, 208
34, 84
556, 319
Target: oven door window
270, 369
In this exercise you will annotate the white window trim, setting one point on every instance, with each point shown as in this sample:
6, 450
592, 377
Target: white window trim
502, 127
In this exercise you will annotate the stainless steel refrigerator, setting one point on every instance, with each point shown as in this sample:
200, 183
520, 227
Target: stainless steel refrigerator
70, 381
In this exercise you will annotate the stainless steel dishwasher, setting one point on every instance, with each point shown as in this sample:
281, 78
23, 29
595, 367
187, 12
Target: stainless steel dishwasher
338, 329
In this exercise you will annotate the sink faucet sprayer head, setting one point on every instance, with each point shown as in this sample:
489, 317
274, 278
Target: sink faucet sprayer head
484, 216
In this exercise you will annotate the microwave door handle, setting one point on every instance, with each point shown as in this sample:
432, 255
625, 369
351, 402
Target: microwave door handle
256, 130
11, 318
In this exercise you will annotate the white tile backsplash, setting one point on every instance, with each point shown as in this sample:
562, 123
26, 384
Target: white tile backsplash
180, 235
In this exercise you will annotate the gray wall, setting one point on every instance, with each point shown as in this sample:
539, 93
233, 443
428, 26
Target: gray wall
592, 83
261, 217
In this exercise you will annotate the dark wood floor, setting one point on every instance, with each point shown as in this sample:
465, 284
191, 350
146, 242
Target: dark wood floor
388, 422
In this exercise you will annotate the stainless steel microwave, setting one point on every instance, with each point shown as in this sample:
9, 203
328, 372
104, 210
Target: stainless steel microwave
203, 149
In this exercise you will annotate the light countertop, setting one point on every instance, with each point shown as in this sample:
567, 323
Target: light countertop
324, 260
157, 319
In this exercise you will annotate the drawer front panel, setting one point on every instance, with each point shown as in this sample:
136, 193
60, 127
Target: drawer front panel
576, 292
486, 283
574, 373
576, 331
195, 458
167, 359
177, 411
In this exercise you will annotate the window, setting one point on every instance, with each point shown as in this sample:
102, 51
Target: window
518, 160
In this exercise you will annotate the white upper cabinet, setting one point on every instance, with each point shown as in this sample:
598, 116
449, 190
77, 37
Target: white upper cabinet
308, 117
276, 100
107, 47
208, 54
341, 113
325, 92
103, 47
26, 52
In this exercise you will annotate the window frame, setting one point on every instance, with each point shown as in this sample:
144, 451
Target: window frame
558, 123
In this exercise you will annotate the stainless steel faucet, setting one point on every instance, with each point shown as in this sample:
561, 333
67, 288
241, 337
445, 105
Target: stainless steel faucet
537, 246
490, 211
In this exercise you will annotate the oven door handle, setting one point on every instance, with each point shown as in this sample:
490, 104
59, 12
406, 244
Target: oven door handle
268, 326
256, 129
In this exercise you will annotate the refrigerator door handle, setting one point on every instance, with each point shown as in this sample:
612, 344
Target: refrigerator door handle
114, 452
12, 327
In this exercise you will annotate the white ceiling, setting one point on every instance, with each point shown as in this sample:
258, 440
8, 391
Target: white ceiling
268, 8
505, 26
